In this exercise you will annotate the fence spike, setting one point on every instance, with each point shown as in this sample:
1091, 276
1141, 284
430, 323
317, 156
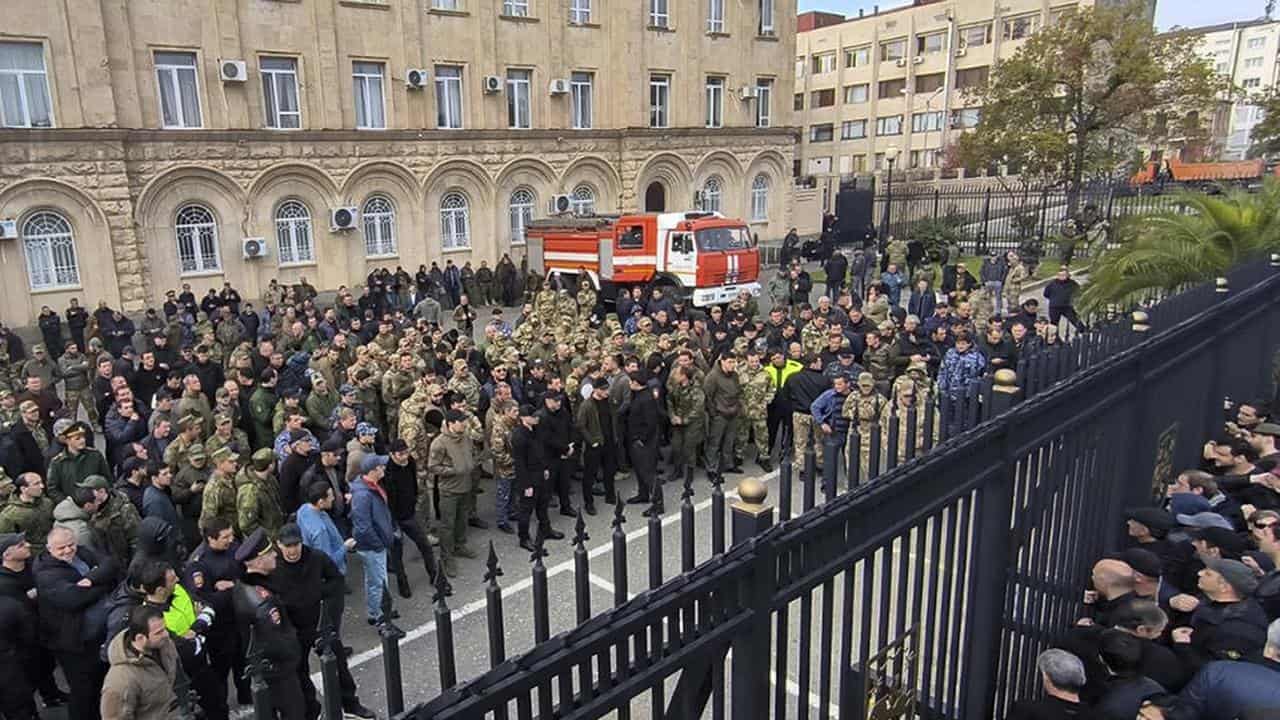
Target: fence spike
492, 569
580, 536
717, 514
444, 634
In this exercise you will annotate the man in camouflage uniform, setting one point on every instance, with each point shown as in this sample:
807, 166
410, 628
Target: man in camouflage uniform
1014, 281
188, 490
586, 298
220, 493
813, 337
757, 393
10, 415
226, 434
29, 511
194, 402
484, 284
73, 368
189, 432
369, 395
505, 413
896, 250
115, 521
687, 411
644, 340
899, 413
258, 496
862, 408
877, 358
397, 385
41, 365
419, 421
465, 384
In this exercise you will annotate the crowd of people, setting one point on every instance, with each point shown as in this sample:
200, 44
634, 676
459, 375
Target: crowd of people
1184, 622
186, 487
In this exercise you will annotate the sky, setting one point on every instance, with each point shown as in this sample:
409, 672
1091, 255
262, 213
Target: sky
1187, 13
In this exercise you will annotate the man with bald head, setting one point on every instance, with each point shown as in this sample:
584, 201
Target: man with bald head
1113, 583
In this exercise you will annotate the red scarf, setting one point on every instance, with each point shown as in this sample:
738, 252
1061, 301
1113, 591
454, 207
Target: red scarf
373, 485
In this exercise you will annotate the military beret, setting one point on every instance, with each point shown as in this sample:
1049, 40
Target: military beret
263, 458
222, 453
97, 482
221, 419
256, 545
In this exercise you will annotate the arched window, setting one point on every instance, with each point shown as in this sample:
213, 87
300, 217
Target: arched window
455, 225
584, 200
197, 234
293, 233
760, 199
711, 194
51, 251
520, 208
379, 217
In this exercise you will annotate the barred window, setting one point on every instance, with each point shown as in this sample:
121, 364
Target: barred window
711, 192
379, 218
197, 234
583, 200
455, 221
760, 199
50, 251
520, 208
293, 233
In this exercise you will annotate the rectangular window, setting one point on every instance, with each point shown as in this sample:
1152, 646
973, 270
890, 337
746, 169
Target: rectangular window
583, 98
515, 8
858, 163
972, 77
370, 111
659, 14
853, 129
857, 57
797, 103
766, 17
975, 35
880, 162
580, 12
448, 97
1251, 83
889, 125
855, 94
923, 158
179, 89
1254, 62
931, 43
824, 63
926, 121
764, 102
893, 50
889, 89
800, 63
715, 16
446, 4
1257, 42
1020, 27
929, 83
715, 102
821, 133
280, 93
823, 98
518, 82
659, 101
965, 118
1057, 15
24, 87
1221, 68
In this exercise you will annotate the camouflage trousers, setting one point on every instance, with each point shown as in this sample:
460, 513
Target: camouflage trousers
802, 425
685, 440
393, 422
81, 397
759, 427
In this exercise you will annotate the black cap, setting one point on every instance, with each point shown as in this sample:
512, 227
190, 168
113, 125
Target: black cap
398, 445
290, 534
1154, 518
8, 540
527, 410
256, 545
334, 444
454, 416
1228, 542
1142, 561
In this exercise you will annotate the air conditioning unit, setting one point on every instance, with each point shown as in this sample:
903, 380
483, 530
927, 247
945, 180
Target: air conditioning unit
416, 78
343, 218
559, 86
902, 62
961, 52
233, 71
748, 92
918, 60
560, 204
492, 84
254, 247
8, 229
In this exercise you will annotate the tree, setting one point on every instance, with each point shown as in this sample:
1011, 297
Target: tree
1266, 134
1200, 238
1073, 101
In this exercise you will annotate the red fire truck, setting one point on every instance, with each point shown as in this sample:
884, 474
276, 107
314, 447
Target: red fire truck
701, 256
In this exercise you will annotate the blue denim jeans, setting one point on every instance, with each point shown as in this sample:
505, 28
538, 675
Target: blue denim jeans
375, 580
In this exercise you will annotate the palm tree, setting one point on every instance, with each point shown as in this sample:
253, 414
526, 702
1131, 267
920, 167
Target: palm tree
1203, 238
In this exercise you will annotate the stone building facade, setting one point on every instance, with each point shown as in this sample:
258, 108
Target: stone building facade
148, 160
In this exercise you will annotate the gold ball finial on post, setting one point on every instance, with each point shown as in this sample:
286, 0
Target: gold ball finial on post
1222, 286
1141, 321
1006, 381
752, 491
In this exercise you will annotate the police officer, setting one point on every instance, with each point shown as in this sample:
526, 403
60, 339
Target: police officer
531, 487
266, 632
211, 575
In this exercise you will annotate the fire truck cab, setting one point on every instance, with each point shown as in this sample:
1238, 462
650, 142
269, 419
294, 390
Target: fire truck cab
701, 256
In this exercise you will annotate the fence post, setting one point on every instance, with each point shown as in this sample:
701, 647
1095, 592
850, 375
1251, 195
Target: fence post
391, 636
750, 672
326, 644
986, 219
256, 667
1005, 392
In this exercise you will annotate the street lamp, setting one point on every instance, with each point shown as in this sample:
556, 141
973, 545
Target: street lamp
890, 154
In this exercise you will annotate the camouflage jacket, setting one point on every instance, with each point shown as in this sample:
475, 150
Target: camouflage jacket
258, 503
219, 500
688, 402
33, 518
500, 446
117, 524
757, 392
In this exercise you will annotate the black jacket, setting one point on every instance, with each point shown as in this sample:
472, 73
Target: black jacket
303, 585
73, 618
804, 387
292, 492
528, 459
642, 418
555, 432
401, 484
836, 268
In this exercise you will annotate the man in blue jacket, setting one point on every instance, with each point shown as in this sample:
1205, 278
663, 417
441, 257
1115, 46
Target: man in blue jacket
373, 531
1229, 688
318, 529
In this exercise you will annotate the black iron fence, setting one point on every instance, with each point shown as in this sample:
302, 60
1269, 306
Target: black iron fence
1006, 217
934, 552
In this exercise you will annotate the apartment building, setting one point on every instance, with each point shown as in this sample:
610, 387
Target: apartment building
149, 143
1248, 55
891, 84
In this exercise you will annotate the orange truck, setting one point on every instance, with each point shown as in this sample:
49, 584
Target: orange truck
1205, 172
703, 257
